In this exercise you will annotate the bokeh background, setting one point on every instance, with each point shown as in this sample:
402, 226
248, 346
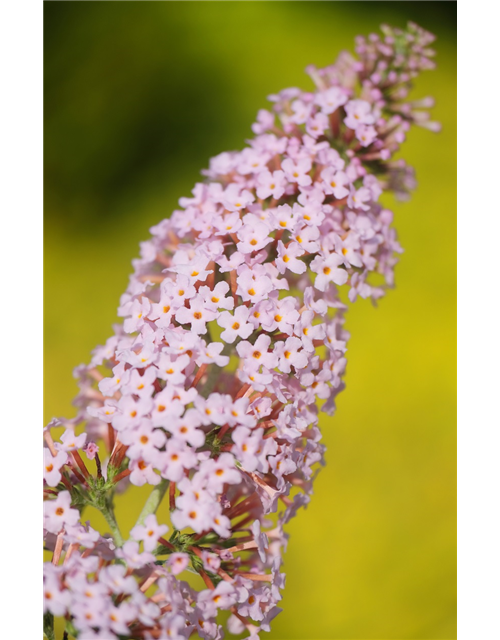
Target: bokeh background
138, 97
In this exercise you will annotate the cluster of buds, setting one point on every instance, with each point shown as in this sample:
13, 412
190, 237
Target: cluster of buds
232, 341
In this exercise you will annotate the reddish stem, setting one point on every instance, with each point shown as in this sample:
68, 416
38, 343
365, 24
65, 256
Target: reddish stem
167, 544
211, 276
111, 438
234, 285
121, 454
58, 548
259, 577
66, 483
241, 507
225, 576
98, 465
123, 474
206, 579
77, 458
243, 522
199, 374
223, 431
77, 474
50, 443
171, 495
242, 391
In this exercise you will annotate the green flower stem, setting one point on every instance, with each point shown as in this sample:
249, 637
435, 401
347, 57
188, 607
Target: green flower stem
109, 514
153, 502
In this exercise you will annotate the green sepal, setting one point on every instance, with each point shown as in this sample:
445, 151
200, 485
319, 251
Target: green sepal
162, 550
71, 629
198, 566
209, 538
48, 626
196, 562
183, 541
174, 535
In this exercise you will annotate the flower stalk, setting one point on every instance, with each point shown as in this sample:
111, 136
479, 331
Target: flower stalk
153, 502
109, 515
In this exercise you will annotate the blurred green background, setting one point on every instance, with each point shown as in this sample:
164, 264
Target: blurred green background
138, 97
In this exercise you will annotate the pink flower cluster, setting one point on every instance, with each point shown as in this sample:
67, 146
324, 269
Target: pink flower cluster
232, 339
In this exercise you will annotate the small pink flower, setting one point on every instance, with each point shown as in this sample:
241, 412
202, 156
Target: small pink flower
290, 353
265, 121
331, 99
271, 184
253, 235
328, 271
257, 354
91, 449
358, 112
149, 532
317, 125
301, 111
186, 428
366, 134
307, 331
193, 514
247, 444
178, 562
235, 199
194, 270
138, 312
284, 218
235, 325
288, 258
197, 315
212, 354
56, 599
335, 182
143, 441
359, 198
177, 457
215, 298
222, 597
52, 465
171, 368
142, 472
220, 471
58, 513
133, 557
130, 412
253, 284
298, 171
141, 385
108, 386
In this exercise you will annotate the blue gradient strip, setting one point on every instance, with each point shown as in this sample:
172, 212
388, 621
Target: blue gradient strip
481, 60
